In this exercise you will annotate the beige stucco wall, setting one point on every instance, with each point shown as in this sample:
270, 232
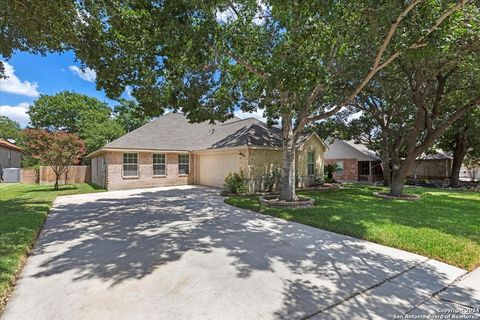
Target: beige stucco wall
256, 163
259, 161
145, 179
10, 158
312, 144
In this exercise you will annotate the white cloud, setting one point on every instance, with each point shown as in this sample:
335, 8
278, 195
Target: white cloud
229, 14
255, 114
12, 84
86, 74
225, 15
17, 113
263, 11
354, 116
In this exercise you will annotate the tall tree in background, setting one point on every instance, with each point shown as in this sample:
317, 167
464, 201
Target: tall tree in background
85, 116
420, 96
59, 150
9, 129
130, 114
298, 61
462, 136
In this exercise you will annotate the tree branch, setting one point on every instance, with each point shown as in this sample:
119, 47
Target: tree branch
378, 65
245, 64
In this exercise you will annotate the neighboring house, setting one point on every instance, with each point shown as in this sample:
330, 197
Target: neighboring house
10, 155
469, 174
357, 162
172, 151
354, 160
434, 166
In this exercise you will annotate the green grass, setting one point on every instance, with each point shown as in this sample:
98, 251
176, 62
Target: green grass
23, 208
443, 225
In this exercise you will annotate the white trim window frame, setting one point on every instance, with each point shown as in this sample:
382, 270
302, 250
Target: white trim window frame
183, 164
340, 168
159, 164
130, 165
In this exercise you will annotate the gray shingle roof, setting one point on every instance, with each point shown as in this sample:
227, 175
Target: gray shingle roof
173, 131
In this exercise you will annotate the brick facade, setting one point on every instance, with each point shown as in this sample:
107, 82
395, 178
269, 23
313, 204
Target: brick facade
253, 162
145, 178
350, 169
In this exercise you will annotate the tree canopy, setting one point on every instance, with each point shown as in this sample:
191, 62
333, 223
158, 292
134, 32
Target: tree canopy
9, 129
72, 112
300, 62
59, 150
130, 114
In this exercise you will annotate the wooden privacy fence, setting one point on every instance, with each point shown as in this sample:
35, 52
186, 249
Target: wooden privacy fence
29, 175
74, 174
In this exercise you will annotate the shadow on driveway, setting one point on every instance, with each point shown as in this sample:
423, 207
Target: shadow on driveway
175, 253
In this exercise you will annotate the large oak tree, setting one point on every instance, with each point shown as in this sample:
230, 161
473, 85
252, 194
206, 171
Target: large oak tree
292, 59
300, 62
418, 98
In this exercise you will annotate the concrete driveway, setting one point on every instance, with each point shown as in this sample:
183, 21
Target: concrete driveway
181, 253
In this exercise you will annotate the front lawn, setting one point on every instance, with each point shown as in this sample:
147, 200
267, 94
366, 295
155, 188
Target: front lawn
23, 208
444, 225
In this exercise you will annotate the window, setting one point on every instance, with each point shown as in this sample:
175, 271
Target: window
311, 162
364, 168
183, 164
159, 164
339, 170
130, 165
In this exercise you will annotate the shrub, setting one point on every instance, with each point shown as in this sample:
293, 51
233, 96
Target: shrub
234, 183
329, 171
272, 179
318, 181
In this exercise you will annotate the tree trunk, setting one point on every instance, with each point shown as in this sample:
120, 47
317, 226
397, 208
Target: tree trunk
399, 175
287, 190
459, 152
386, 173
396, 187
57, 177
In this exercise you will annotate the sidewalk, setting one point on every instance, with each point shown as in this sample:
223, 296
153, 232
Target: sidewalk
461, 299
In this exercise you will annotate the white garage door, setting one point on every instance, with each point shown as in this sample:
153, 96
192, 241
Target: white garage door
215, 167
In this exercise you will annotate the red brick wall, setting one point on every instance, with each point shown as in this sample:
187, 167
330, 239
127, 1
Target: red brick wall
145, 179
350, 169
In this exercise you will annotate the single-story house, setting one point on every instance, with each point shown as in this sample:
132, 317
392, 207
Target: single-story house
10, 155
172, 151
354, 160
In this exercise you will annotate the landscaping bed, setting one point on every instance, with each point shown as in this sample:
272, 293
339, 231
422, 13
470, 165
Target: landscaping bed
443, 225
24, 208
274, 201
405, 196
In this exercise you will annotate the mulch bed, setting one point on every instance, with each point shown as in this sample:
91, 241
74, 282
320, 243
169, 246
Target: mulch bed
323, 187
273, 201
409, 197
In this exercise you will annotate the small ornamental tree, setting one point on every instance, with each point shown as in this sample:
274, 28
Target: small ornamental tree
58, 150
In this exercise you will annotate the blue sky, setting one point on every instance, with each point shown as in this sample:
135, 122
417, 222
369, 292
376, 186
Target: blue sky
31, 75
